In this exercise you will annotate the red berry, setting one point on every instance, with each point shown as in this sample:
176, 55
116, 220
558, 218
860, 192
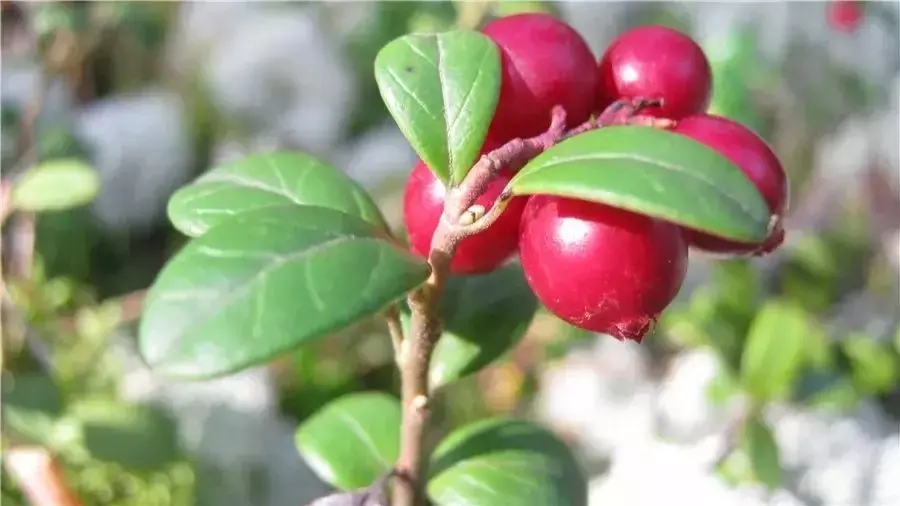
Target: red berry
659, 63
545, 62
756, 159
844, 15
601, 268
423, 204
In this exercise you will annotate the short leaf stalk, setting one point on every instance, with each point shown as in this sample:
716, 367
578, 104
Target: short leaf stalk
461, 219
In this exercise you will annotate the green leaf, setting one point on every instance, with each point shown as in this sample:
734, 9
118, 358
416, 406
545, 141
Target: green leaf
874, 365
265, 282
136, 436
264, 182
484, 316
56, 185
758, 443
442, 90
32, 405
774, 351
505, 461
653, 172
353, 440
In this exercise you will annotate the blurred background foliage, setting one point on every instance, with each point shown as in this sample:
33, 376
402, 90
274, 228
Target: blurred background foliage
108, 107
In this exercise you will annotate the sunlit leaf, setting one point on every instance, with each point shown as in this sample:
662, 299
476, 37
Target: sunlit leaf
265, 282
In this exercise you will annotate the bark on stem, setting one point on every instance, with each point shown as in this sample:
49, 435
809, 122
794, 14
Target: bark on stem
458, 221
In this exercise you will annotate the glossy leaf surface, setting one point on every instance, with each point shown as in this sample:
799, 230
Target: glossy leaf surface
264, 182
353, 440
442, 90
505, 461
265, 282
652, 172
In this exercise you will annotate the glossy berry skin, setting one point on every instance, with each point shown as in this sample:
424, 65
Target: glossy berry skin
423, 204
755, 158
545, 62
601, 268
844, 15
659, 63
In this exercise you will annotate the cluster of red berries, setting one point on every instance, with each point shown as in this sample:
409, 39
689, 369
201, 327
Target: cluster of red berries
597, 267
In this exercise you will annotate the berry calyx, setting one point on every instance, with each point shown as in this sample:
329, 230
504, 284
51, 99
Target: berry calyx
658, 63
844, 15
545, 62
758, 162
601, 268
423, 204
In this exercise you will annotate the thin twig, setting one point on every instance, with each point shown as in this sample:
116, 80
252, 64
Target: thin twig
395, 329
459, 220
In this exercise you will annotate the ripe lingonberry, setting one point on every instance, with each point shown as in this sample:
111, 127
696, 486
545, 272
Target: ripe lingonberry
601, 268
655, 62
423, 204
755, 158
844, 15
545, 62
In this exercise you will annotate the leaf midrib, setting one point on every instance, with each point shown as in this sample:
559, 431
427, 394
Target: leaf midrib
248, 282
643, 160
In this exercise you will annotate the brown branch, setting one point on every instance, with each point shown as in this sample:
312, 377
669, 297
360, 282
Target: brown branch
459, 220
39, 476
395, 329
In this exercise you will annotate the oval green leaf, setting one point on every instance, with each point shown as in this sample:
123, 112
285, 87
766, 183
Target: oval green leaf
652, 172
353, 440
502, 461
774, 351
56, 185
264, 182
760, 447
266, 281
484, 317
442, 90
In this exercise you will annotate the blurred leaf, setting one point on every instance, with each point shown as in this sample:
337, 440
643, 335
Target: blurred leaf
502, 462
503, 8
47, 18
56, 185
136, 436
773, 353
874, 366
441, 90
810, 275
759, 444
723, 387
59, 142
653, 172
267, 181
66, 240
352, 440
736, 67
827, 390
32, 404
266, 281
737, 284
145, 20
484, 316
